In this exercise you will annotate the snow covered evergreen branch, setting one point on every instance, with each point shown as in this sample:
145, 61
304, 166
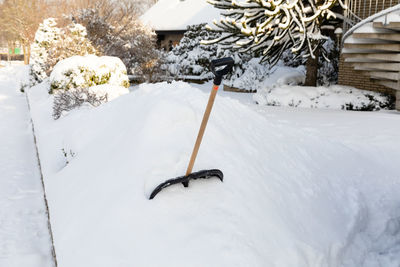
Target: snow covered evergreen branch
269, 27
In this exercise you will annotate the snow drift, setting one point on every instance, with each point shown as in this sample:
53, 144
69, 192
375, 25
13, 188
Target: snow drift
290, 196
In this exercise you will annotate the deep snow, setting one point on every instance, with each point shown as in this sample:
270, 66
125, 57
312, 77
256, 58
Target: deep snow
24, 236
302, 187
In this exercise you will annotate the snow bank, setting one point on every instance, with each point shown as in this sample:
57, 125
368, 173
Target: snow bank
88, 71
291, 196
333, 97
112, 91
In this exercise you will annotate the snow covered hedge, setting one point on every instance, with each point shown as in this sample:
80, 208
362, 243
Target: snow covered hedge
333, 97
81, 80
87, 71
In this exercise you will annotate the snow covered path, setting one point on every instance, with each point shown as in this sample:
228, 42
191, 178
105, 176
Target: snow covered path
24, 235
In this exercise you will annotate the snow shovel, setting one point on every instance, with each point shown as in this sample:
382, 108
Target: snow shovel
227, 63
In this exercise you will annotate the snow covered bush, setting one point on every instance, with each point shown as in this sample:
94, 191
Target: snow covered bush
65, 101
79, 72
68, 100
192, 59
250, 76
86, 80
333, 97
53, 43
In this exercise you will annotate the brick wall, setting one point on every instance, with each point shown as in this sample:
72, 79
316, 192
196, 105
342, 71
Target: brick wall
355, 78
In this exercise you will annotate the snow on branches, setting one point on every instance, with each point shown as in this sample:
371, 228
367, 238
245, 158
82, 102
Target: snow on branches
269, 27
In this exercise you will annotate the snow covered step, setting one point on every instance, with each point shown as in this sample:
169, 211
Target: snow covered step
390, 84
385, 57
369, 28
373, 47
353, 40
379, 36
385, 75
376, 66
394, 25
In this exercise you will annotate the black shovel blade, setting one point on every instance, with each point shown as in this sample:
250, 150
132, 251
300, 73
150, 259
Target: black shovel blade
204, 174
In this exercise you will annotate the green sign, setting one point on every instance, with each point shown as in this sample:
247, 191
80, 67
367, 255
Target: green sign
15, 51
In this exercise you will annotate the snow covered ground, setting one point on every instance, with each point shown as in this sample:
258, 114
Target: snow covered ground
24, 236
302, 187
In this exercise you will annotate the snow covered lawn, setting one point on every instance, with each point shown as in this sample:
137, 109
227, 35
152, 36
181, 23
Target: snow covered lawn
302, 187
24, 236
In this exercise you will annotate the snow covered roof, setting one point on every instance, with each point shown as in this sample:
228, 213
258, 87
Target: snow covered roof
176, 15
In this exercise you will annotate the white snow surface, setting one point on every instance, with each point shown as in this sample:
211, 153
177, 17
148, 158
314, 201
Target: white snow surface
330, 97
24, 236
170, 15
112, 91
302, 187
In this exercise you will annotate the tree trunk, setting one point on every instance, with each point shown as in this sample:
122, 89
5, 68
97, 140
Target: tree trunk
312, 70
8, 51
29, 54
25, 54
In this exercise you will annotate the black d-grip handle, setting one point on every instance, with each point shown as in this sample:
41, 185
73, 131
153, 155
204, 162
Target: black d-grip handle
227, 62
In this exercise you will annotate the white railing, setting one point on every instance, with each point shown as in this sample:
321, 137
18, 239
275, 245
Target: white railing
358, 10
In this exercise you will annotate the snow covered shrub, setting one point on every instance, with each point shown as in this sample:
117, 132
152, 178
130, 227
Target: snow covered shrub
69, 100
65, 101
86, 71
67, 155
191, 58
333, 97
53, 44
127, 39
250, 76
90, 79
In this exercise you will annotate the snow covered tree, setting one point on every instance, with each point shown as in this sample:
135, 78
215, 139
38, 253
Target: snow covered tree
269, 27
46, 35
19, 20
53, 43
125, 38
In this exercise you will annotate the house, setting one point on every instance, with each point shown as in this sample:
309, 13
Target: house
370, 56
170, 18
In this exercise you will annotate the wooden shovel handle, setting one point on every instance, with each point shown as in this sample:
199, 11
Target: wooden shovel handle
202, 128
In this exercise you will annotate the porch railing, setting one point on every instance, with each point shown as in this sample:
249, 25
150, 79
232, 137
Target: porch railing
358, 10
